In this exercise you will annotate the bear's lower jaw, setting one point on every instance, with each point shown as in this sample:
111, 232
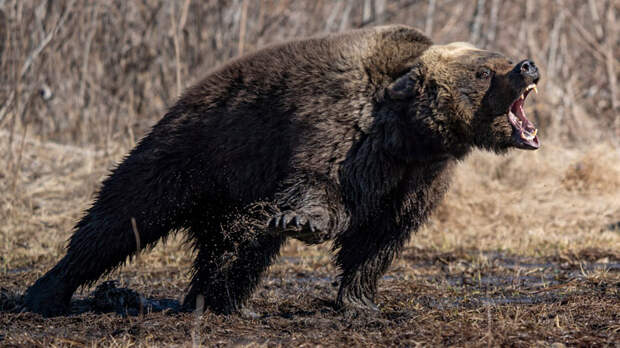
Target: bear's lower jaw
524, 144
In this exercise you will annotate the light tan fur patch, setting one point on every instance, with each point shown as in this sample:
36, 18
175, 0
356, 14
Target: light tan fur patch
449, 51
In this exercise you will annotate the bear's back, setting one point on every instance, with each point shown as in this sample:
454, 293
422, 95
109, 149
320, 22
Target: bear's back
287, 109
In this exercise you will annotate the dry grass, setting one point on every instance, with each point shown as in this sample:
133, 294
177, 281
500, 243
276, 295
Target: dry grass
522, 252
553, 200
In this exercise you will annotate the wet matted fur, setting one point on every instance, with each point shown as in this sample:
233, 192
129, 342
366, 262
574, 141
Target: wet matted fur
350, 137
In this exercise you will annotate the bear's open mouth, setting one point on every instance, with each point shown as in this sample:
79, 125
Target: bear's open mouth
524, 131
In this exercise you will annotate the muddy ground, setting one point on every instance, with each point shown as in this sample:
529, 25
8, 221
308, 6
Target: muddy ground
461, 298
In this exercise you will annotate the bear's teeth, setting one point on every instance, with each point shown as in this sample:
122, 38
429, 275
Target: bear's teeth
532, 86
529, 136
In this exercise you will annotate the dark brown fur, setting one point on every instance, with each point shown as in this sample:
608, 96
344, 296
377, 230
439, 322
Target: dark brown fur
350, 137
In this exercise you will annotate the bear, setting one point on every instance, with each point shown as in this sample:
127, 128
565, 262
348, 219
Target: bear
350, 138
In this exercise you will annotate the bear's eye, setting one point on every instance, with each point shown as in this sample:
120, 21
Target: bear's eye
484, 74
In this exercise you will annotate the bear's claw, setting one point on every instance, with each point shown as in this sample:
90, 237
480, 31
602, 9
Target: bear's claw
299, 226
291, 221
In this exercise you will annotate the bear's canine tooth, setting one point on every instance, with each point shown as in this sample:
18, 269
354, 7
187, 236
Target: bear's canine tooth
527, 136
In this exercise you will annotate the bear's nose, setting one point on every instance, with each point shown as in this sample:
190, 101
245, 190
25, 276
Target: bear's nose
528, 70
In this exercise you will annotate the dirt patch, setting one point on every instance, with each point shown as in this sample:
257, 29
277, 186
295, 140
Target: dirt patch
460, 298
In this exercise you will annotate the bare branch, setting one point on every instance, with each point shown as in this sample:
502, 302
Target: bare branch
611, 61
184, 13
33, 55
177, 50
477, 22
598, 51
598, 28
48, 38
344, 23
430, 13
554, 40
495, 4
242, 25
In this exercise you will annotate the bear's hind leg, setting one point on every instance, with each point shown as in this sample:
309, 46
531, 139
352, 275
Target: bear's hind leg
93, 250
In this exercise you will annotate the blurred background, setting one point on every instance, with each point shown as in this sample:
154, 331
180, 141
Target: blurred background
81, 81
95, 72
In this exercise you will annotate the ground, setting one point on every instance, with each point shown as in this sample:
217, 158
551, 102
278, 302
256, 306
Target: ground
525, 251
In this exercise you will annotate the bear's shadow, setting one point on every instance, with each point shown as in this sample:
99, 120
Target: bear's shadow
107, 298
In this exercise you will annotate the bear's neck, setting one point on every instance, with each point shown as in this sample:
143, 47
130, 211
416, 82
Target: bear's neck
413, 132
398, 161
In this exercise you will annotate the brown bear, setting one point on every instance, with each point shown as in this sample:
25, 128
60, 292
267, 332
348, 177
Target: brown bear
350, 137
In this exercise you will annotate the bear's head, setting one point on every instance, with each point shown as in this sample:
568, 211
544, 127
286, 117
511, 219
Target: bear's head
457, 97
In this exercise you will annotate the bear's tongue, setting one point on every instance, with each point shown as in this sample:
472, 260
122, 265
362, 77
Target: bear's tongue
522, 126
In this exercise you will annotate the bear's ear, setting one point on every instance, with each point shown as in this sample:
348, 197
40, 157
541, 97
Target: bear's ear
405, 86
401, 88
